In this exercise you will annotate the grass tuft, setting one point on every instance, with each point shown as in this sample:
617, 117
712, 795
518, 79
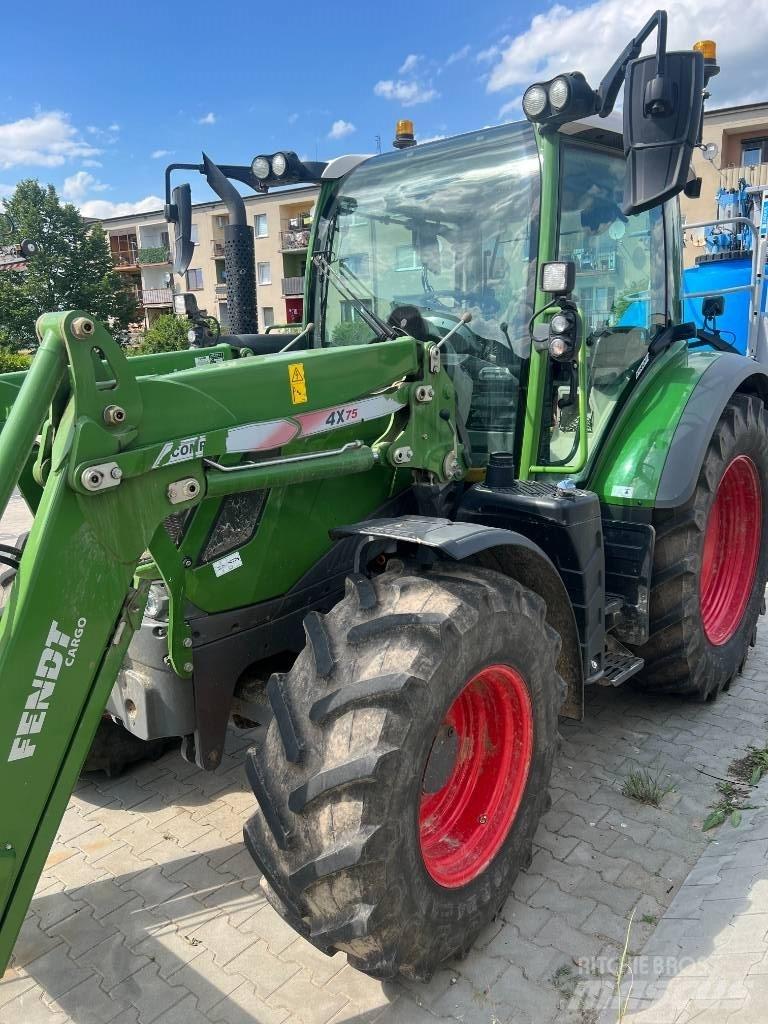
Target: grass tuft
645, 787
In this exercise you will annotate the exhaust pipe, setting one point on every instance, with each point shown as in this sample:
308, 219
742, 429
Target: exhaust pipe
239, 254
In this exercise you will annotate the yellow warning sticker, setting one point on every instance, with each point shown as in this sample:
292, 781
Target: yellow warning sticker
298, 383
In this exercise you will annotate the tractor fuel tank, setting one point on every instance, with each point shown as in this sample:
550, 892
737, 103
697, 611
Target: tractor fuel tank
566, 524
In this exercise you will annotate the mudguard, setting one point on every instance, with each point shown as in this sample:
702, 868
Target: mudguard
504, 550
727, 375
652, 456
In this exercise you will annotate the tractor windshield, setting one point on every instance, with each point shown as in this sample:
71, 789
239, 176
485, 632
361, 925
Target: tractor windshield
419, 237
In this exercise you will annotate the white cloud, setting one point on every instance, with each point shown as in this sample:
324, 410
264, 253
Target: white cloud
458, 55
209, 118
114, 127
406, 93
92, 163
410, 64
340, 128
293, 118
81, 184
102, 209
46, 140
156, 154
588, 39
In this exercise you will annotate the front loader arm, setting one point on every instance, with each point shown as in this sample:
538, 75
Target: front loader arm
123, 454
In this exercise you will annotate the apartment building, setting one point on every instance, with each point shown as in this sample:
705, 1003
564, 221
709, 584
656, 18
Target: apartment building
142, 250
735, 141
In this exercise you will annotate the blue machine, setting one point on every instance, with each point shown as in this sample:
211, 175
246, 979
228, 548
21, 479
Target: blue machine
727, 264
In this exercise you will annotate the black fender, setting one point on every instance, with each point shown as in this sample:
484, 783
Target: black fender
728, 375
505, 551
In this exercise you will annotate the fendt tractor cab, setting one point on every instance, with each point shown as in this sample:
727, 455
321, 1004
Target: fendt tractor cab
493, 467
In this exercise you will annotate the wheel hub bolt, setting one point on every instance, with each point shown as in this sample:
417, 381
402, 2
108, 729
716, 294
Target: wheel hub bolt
483, 819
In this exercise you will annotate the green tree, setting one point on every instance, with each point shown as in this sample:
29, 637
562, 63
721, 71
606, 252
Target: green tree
72, 268
167, 334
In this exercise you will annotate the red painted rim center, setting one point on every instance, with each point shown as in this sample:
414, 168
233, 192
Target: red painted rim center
731, 549
464, 823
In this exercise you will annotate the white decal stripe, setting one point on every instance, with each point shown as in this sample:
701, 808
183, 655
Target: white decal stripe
347, 415
254, 437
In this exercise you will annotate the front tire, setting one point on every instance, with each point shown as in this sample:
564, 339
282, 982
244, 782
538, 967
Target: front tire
407, 766
711, 563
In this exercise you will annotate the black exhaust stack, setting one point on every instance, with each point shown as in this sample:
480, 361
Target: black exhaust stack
239, 254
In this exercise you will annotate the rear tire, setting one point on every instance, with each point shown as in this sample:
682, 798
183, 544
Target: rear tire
355, 854
711, 563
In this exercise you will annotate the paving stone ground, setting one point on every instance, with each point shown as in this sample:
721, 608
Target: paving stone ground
149, 909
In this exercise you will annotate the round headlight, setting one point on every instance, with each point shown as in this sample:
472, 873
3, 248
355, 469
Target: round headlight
260, 167
559, 323
279, 164
535, 100
559, 347
559, 93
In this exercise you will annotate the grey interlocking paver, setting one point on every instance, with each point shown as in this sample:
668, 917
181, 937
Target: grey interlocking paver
150, 902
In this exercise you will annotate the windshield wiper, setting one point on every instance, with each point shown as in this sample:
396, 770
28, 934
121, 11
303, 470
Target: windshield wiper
382, 330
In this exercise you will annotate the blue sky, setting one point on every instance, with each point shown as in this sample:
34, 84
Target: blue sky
96, 98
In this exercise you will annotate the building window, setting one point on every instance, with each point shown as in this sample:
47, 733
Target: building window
221, 220
357, 263
195, 236
405, 258
267, 315
348, 311
194, 280
264, 273
224, 317
754, 151
260, 225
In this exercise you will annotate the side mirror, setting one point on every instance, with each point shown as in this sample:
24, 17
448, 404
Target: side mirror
184, 248
713, 306
663, 104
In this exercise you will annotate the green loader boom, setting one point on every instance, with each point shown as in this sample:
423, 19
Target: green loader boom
122, 454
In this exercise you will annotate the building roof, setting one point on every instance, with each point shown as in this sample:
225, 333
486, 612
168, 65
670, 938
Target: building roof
743, 108
288, 193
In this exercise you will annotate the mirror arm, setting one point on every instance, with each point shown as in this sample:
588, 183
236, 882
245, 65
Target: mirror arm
614, 79
171, 213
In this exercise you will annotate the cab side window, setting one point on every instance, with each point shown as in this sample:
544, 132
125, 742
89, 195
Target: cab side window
620, 284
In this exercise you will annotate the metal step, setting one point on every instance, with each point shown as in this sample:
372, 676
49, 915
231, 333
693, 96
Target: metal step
619, 666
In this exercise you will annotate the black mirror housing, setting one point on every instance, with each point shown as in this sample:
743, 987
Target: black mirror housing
184, 248
662, 120
713, 306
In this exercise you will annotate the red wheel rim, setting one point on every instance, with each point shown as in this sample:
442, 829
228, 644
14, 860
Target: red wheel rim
731, 549
464, 823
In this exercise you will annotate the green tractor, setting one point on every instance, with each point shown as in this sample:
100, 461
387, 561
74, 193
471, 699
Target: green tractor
493, 468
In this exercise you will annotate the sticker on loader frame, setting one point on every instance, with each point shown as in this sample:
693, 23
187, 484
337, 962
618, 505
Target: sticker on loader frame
227, 564
623, 492
297, 383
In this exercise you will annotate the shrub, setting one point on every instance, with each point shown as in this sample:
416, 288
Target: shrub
167, 334
12, 361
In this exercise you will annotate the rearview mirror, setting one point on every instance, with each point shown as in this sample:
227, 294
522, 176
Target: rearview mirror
184, 248
663, 104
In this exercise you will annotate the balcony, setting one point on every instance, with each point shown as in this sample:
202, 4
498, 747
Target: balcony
753, 174
153, 254
221, 289
293, 286
294, 240
156, 297
125, 260
218, 250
